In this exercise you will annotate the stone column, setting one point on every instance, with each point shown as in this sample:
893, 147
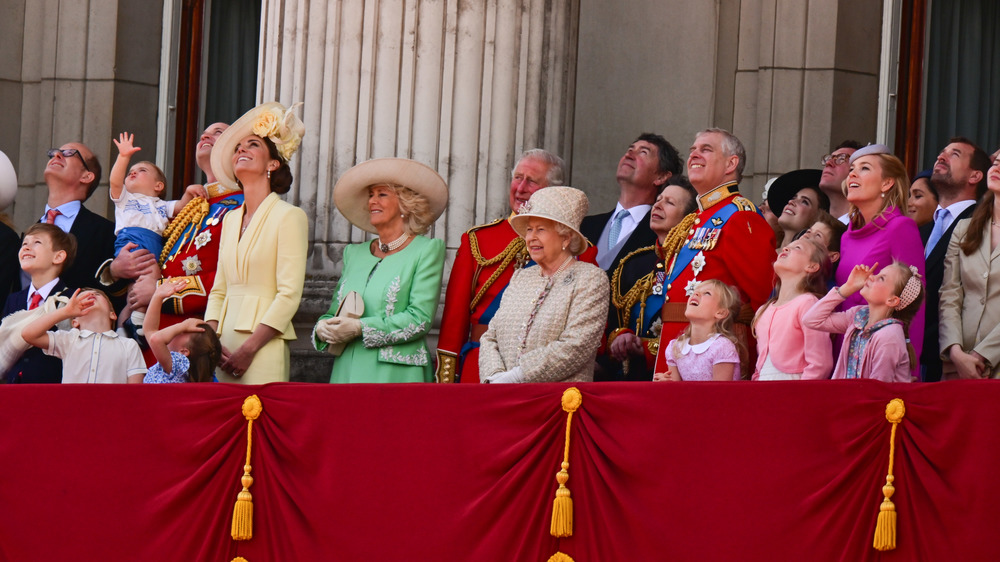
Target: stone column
807, 78
461, 86
71, 72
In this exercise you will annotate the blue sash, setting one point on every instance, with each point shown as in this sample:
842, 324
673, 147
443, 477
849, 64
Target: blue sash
687, 253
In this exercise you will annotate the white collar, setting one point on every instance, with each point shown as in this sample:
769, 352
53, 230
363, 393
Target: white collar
44, 290
698, 348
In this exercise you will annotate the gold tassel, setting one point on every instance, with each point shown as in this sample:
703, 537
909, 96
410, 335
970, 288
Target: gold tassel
885, 527
560, 557
239, 559
243, 512
562, 509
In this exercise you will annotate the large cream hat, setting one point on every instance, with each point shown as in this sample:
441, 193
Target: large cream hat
8, 182
562, 204
271, 120
351, 192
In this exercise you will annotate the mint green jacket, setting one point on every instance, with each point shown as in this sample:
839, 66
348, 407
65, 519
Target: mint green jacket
401, 294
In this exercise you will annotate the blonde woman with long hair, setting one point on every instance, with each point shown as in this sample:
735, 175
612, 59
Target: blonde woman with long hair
878, 230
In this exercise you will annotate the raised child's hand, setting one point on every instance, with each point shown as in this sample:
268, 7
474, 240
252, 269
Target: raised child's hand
196, 190
80, 303
857, 278
125, 146
169, 287
193, 325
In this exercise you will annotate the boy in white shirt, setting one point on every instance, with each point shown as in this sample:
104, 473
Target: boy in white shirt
92, 352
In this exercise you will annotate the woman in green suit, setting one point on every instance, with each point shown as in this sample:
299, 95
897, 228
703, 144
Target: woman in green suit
397, 275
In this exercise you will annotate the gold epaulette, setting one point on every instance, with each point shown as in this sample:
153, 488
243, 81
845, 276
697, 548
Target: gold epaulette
745, 204
513, 251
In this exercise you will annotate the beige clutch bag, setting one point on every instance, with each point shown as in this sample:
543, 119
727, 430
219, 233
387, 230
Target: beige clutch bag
351, 307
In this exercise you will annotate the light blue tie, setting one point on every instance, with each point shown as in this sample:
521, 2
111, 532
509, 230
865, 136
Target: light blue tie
616, 228
939, 217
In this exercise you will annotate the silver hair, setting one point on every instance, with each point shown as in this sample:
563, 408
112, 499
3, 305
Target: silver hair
576, 243
731, 146
557, 166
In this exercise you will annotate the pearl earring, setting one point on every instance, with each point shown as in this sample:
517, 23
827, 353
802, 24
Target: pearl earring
883, 195
269, 175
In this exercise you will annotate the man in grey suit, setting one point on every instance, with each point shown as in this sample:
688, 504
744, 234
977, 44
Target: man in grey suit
959, 175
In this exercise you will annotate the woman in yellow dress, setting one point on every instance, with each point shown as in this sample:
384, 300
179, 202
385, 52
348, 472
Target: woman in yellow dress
262, 257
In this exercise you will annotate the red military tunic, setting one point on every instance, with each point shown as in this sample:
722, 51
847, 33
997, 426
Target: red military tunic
484, 264
195, 255
738, 251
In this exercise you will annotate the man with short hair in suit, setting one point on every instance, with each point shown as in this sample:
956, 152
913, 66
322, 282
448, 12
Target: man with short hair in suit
72, 174
642, 173
959, 175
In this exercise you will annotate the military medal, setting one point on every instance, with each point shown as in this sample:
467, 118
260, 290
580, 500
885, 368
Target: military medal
698, 264
658, 285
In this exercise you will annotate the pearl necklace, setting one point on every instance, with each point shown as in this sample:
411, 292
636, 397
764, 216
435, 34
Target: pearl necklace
394, 245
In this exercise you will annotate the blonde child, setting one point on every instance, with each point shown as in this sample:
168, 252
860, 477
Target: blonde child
787, 350
92, 352
707, 349
185, 352
875, 336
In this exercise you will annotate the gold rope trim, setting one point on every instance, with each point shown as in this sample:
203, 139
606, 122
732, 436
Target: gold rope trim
885, 527
562, 509
623, 303
243, 511
194, 212
508, 255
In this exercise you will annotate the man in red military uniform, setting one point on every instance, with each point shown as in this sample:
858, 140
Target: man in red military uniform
729, 240
486, 259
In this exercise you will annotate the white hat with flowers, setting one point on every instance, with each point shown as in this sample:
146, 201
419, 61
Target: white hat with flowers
269, 120
562, 204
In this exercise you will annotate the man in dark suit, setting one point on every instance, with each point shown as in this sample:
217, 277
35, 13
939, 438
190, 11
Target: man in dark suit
642, 173
72, 175
959, 175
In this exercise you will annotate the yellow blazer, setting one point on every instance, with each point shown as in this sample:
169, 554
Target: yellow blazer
260, 276
970, 300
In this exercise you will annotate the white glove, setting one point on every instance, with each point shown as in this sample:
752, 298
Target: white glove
514, 375
344, 329
324, 330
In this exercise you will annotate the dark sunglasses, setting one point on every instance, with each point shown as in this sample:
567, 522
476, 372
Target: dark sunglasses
68, 153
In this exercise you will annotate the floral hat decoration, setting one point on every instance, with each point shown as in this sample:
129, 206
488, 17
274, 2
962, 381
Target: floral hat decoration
269, 120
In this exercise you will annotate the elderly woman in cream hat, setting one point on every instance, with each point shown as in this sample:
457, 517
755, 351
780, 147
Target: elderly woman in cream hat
397, 275
552, 315
262, 251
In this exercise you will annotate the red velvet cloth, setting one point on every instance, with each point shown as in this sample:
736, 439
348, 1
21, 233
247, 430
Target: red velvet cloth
679, 471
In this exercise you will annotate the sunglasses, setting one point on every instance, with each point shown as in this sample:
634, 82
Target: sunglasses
68, 153
838, 159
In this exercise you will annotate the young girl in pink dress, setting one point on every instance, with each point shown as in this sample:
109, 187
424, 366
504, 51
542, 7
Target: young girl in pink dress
706, 350
787, 350
875, 336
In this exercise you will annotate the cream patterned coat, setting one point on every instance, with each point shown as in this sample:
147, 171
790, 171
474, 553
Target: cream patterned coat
566, 331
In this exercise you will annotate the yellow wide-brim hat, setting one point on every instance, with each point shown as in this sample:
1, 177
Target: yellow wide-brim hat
271, 120
351, 192
562, 204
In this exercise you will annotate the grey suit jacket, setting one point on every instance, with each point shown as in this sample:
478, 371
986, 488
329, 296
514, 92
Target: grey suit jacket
970, 299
